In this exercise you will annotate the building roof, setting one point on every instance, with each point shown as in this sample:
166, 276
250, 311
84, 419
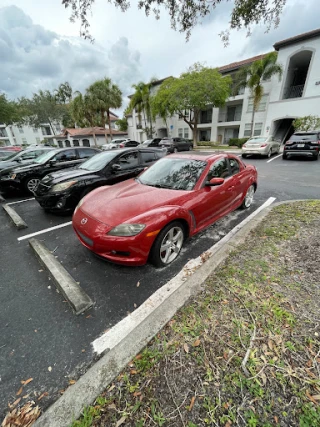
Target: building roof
296, 39
236, 65
88, 132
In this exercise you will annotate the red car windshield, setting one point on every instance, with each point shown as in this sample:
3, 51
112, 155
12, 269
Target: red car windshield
175, 174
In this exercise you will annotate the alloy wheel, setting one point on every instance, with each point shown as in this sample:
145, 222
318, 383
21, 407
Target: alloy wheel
32, 184
249, 197
171, 244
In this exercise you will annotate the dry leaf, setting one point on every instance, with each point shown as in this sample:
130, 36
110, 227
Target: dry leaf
43, 395
26, 381
19, 391
138, 356
133, 371
276, 419
316, 397
192, 403
186, 348
311, 397
72, 382
111, 388
137, 393
228, 424
121, 421
270, 344
196, 343
16, 402
112, 406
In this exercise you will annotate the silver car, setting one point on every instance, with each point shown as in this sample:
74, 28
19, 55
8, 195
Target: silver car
260, 145
114, 144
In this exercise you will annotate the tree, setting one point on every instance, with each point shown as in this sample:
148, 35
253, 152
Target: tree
197, 89
10, 111
253, 77
43, 108
105, 96
84, 113
64, 93
140, 102
185, 14
122, 124
306, 123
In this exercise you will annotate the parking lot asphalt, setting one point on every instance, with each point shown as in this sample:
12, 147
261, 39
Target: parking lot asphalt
40, 336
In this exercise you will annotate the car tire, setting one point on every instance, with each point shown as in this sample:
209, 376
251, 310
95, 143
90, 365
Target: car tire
269, 154
316, 156
284, 156
248, 199
160, 256
31, 183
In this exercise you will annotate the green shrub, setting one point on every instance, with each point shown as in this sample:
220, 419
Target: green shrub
237, 141
208, 143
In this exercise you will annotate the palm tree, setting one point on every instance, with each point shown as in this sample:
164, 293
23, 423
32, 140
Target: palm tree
105, 96
253, 77
83, 111
64, 93
141, 102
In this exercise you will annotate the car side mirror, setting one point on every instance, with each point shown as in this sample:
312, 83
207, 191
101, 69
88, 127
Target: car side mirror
52, 162
215, 181
19, 160
115, 167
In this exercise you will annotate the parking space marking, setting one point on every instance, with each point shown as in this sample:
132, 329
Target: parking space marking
279, 155
21, 201
45, 230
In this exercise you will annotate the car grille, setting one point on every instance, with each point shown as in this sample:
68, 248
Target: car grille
86, 239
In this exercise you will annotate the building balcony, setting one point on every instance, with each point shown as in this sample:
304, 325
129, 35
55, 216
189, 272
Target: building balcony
293, 92
227, 117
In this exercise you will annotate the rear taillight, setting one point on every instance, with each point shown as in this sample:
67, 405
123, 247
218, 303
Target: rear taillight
121, 145
289, 142
244, 146
263, 145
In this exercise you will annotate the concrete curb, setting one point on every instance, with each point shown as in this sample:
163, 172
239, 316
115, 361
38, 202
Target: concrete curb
75, 295
15, 218
132, 334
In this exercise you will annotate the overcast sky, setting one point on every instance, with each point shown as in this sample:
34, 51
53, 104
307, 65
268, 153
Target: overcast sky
40, 48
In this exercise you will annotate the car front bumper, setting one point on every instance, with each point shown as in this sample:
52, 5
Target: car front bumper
130, 251
9, 184
56, 202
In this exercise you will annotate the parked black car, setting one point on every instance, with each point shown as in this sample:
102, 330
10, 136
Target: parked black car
28, 177
23, 157
62, 191
155, 142
303, 144
173, 145
127, 144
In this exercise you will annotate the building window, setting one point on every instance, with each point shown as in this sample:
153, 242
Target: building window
185, 114
20, 129
38, 140
247, 130
261, 107
186, 133
46, 130
67, 143
60, 143
24, 141
180, 133
257, 129
76, 143
86, 142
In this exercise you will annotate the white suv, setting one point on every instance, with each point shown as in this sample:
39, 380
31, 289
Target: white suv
114, 144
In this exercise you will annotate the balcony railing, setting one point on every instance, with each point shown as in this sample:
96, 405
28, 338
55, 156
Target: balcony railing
205, 119
227, 117
293, 92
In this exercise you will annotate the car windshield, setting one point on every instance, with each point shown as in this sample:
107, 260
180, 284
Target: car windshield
175, 174
99, 161
304, 137
257, 140
10, 156
45, 157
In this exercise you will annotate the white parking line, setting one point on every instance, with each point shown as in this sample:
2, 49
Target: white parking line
20, 201
45, 230
279, 155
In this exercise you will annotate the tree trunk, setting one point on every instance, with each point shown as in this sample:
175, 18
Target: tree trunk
150, 120
109, 123
94, 138
145, 122
252, 121
103, 121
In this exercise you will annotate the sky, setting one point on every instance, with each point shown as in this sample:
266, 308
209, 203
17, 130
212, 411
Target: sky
40, 48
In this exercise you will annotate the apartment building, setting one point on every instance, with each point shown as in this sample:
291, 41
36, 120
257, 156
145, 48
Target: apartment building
26, 135
297, 94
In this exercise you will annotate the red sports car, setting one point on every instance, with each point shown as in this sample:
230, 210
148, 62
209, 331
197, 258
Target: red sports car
149, 217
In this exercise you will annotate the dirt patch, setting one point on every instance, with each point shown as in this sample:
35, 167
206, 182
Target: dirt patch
246, 351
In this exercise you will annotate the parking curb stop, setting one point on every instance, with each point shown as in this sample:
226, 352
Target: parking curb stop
74, 294
16, 219
127, 338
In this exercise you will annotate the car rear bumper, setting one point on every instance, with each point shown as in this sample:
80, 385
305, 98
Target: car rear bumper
305, 153
252, 151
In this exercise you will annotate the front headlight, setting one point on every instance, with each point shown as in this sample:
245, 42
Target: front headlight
62, 186
126, 230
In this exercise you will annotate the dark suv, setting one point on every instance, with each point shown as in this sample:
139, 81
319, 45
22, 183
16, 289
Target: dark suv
61, 191
28, 177
173, 145
303, 144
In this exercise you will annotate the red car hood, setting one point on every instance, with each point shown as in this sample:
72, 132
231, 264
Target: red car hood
118, 203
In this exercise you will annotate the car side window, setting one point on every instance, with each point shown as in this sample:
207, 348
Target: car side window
147, 157
65, 156
29, 155
234, 165
128, 160
85, 153
219, 169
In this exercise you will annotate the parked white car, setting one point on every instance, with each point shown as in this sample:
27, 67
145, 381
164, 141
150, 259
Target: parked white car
114, 144
260, 145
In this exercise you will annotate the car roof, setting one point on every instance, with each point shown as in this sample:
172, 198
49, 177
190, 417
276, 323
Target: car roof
306, 131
